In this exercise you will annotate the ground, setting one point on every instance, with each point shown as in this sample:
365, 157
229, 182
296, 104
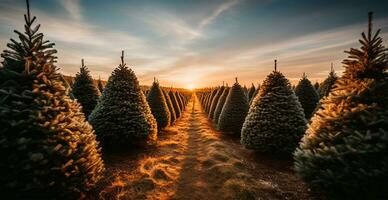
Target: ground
191, 160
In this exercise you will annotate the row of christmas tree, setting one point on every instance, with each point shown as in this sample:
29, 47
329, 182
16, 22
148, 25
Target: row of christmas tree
48, 147
342, 150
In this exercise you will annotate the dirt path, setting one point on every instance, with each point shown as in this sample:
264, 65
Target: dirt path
193, 161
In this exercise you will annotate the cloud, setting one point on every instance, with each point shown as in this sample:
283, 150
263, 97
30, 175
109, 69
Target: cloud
73, 8
218, 11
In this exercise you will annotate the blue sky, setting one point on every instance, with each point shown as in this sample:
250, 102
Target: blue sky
201, 42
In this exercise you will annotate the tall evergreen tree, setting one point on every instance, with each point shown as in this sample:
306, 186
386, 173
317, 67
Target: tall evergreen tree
159, 106
47, 148
170, 107
84, 90
275, 121
215, 102
175, 104
234, 111
345, 150
251, 92
328, 83
220, 104
307, 96
122, 115
100, 85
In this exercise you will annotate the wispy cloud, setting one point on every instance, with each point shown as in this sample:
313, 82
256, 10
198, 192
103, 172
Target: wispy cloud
73, 8
218, 11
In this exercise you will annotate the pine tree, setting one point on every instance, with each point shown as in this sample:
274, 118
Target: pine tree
328, 83
316, 86
122, 116
47, 148
175, 104
275, 121
84, 90
100, 85
345, 150
209, 101
179, 100
251, 92
234, 111
215, 102
159, 106
307, 96
220, 104
170, 107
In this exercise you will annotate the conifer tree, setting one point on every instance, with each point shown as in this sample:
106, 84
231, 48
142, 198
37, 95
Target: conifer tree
209, 101
316, 86
47, 148
215, 102
328, 83
345, 150
175, 104
307, 96
122, 115
170, 107
275, 121
159, 106
179, 100
234, 111
251, 92
84, 90
220, 104
100, 85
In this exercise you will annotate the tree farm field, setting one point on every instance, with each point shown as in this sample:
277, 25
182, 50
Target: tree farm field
196, 100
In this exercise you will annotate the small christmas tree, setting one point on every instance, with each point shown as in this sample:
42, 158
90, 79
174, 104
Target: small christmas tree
84, 90
209, 101
215, 102
170, 107
328, 83
275, 122
100, 85
122, 115
220, 104
48, 150
307, 96
345, 150
251, 92
159, 106
234, 111
175, 104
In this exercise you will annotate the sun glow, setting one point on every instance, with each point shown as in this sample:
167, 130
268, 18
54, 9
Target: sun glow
190, 87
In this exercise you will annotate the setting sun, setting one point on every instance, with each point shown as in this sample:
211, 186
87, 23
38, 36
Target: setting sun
191, 87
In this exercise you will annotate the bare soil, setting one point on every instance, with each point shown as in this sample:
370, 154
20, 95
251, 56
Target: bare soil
191, 160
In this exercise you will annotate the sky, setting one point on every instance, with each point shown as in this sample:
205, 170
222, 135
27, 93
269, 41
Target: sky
199, 43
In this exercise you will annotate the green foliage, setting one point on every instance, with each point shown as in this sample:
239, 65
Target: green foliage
307, 96
170, 107
327, 84
215, 101
100, 85
158, 106
234, 111
85, 91
345, 150
175, 104
220, 104
275, 121
122, 115
251, 92
48, 150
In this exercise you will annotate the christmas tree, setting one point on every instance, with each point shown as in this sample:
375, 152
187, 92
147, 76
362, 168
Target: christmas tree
48, 149
122, 115
307, 96
100, 85
170, 107
84, 90
251, 92
220, 104
316, 86
158, 106
210, 99
328, 83
215, 102
345, 150
179, 100
234, 111
275, 121
175, 104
